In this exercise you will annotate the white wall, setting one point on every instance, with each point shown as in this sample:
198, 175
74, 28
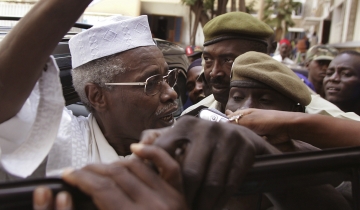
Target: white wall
337, 21
357, 24
171, 9
13, 9
124, 7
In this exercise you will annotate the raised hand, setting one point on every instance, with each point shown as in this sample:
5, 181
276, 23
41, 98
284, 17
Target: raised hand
214, 157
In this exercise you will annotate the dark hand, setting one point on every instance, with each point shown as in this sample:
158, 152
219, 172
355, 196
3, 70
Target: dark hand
126, 184
268, 123
43, 200
129, 184
214, 157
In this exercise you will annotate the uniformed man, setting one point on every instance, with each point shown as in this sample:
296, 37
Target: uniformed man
230, 35
258, 81
317, 61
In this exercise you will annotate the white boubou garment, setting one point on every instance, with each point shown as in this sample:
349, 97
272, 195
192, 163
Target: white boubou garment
44, 137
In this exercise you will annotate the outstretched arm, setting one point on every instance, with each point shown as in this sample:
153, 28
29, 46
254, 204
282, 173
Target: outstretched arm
25, 50
318, 130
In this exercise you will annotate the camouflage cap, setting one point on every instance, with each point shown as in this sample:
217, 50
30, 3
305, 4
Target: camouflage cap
234, 25
321, 52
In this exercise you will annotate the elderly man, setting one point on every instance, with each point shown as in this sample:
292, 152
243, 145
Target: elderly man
122, 78
33, 104
318, 59
225, 39
342, 81
127, 184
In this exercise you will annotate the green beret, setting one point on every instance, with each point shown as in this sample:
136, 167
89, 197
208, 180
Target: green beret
266, 70
236, 25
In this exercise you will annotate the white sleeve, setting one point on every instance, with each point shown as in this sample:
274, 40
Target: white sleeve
318, 105
26, 139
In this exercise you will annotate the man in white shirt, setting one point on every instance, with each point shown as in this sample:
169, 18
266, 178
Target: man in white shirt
284, 49
120, 75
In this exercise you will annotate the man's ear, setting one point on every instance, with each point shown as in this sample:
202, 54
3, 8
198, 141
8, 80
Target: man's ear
95, 95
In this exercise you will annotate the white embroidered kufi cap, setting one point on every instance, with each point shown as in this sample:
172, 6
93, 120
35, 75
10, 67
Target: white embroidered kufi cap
113, 35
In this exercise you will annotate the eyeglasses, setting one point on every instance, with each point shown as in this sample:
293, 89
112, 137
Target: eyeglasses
153, 83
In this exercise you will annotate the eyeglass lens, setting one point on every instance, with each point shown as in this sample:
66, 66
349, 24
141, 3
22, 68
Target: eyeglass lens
153, 84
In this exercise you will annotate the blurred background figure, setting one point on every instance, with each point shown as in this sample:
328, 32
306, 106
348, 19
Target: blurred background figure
301, 52
193, 53
194, 84
285, 50
314, 39
317, 61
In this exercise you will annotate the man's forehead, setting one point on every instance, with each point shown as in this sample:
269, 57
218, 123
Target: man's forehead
230, 46
343, 60
142, 56
194, 71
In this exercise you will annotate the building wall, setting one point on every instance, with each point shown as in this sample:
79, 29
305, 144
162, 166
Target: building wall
123, 7
345, 20
174, 9
14, 9
337, 20
357, 25
352, 20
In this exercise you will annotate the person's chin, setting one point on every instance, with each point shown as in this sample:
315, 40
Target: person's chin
332, 98
221, 94
165, 121
199, 99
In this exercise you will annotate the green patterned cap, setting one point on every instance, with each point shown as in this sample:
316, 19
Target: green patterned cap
321, 52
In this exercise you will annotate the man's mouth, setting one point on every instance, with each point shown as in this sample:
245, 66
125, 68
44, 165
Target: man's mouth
218, 83
168, 118
167, 109
332, 89
166, 113
219, 86
202, 95
219, 89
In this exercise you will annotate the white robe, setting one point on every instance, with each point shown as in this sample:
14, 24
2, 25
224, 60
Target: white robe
44, 138
286, 61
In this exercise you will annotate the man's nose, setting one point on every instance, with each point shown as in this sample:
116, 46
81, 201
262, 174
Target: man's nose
167, 93
217, 70
335, 77
248, 103
198, 87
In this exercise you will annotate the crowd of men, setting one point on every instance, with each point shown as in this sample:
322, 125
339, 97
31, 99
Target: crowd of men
125, 83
